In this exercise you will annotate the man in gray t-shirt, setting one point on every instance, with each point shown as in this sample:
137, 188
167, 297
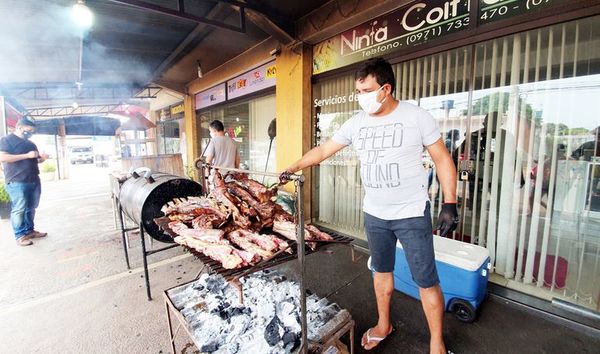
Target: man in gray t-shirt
222, 150
389, 137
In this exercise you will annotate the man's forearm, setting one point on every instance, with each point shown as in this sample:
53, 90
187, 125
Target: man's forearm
13, 158
446, 172
311, 158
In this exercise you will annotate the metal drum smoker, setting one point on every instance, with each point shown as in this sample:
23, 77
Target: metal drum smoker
141, 197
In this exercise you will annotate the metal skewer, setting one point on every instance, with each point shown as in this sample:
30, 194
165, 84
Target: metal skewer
201, 164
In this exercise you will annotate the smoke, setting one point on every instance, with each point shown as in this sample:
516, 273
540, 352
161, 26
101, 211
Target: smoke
41, 44
38, 42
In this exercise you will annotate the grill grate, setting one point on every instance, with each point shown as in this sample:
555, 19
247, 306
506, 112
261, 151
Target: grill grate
230, 274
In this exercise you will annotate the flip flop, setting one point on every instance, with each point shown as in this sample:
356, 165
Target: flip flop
375, 340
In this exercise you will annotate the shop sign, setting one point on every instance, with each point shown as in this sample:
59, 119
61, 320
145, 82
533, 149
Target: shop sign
165, 114
398, 30
177, 109
211, 96
494, 10
252, 81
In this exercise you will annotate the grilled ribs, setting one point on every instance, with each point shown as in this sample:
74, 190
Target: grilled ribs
233, 224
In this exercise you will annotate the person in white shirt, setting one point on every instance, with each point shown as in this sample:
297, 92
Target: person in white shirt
389, 137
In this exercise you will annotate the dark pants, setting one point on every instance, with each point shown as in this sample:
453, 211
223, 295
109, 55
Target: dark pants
415, 235
24, 198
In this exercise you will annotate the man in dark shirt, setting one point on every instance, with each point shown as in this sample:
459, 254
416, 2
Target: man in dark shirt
20, 158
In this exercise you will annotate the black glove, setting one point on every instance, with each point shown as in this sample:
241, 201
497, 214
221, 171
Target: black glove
285, 177
448, 219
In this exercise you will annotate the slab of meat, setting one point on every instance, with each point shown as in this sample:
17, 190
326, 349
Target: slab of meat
224, 254
235, 189
265, 241
208, 235
249, 258
282, 215
208, 221
257, 190
221, 195
288, 230
184, 205
176, 226
318, 234
237, 238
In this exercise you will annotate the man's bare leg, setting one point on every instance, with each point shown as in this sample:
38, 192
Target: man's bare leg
384, 287
433, 306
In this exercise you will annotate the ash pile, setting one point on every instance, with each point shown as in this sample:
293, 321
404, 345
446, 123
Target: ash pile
267, 322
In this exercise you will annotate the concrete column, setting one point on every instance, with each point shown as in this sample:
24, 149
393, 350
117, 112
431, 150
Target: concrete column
190, 134
293, 107
63, 155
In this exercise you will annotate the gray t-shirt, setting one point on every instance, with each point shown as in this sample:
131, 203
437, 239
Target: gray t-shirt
223, 150
390, 150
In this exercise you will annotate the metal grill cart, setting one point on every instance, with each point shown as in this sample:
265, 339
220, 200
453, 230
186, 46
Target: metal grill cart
298, 246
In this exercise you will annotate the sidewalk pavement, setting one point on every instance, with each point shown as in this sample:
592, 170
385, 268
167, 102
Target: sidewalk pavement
72, 293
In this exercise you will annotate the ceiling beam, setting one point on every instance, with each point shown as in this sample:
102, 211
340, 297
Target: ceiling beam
50, 112
172, 86
270, 27
199, 32
181, 14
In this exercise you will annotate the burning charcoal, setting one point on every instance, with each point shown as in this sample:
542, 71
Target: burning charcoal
209, 348
215, 284
278, 279
237, 311
272, 332
233, 348
290, 338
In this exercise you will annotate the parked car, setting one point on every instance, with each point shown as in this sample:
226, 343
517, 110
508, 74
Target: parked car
81, 154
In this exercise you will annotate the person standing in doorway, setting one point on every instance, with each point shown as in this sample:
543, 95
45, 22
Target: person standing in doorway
20, 158
389, 137
222, 150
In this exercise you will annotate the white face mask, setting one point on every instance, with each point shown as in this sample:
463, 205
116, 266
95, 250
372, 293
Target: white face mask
368, 101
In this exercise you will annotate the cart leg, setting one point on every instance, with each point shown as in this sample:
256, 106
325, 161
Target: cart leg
354, 256
171, 336
145, 259
352, 338
115, 210
125, 243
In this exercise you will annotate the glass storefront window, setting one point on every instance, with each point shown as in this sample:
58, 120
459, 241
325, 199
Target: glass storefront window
525, 136
247, 123
169, 141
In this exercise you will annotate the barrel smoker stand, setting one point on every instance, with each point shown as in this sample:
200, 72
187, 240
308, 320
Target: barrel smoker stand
145, 253
140, 227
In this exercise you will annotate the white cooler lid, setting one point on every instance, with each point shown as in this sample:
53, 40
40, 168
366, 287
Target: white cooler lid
459, 254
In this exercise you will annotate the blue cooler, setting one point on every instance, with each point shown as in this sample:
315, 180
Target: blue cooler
463, 270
